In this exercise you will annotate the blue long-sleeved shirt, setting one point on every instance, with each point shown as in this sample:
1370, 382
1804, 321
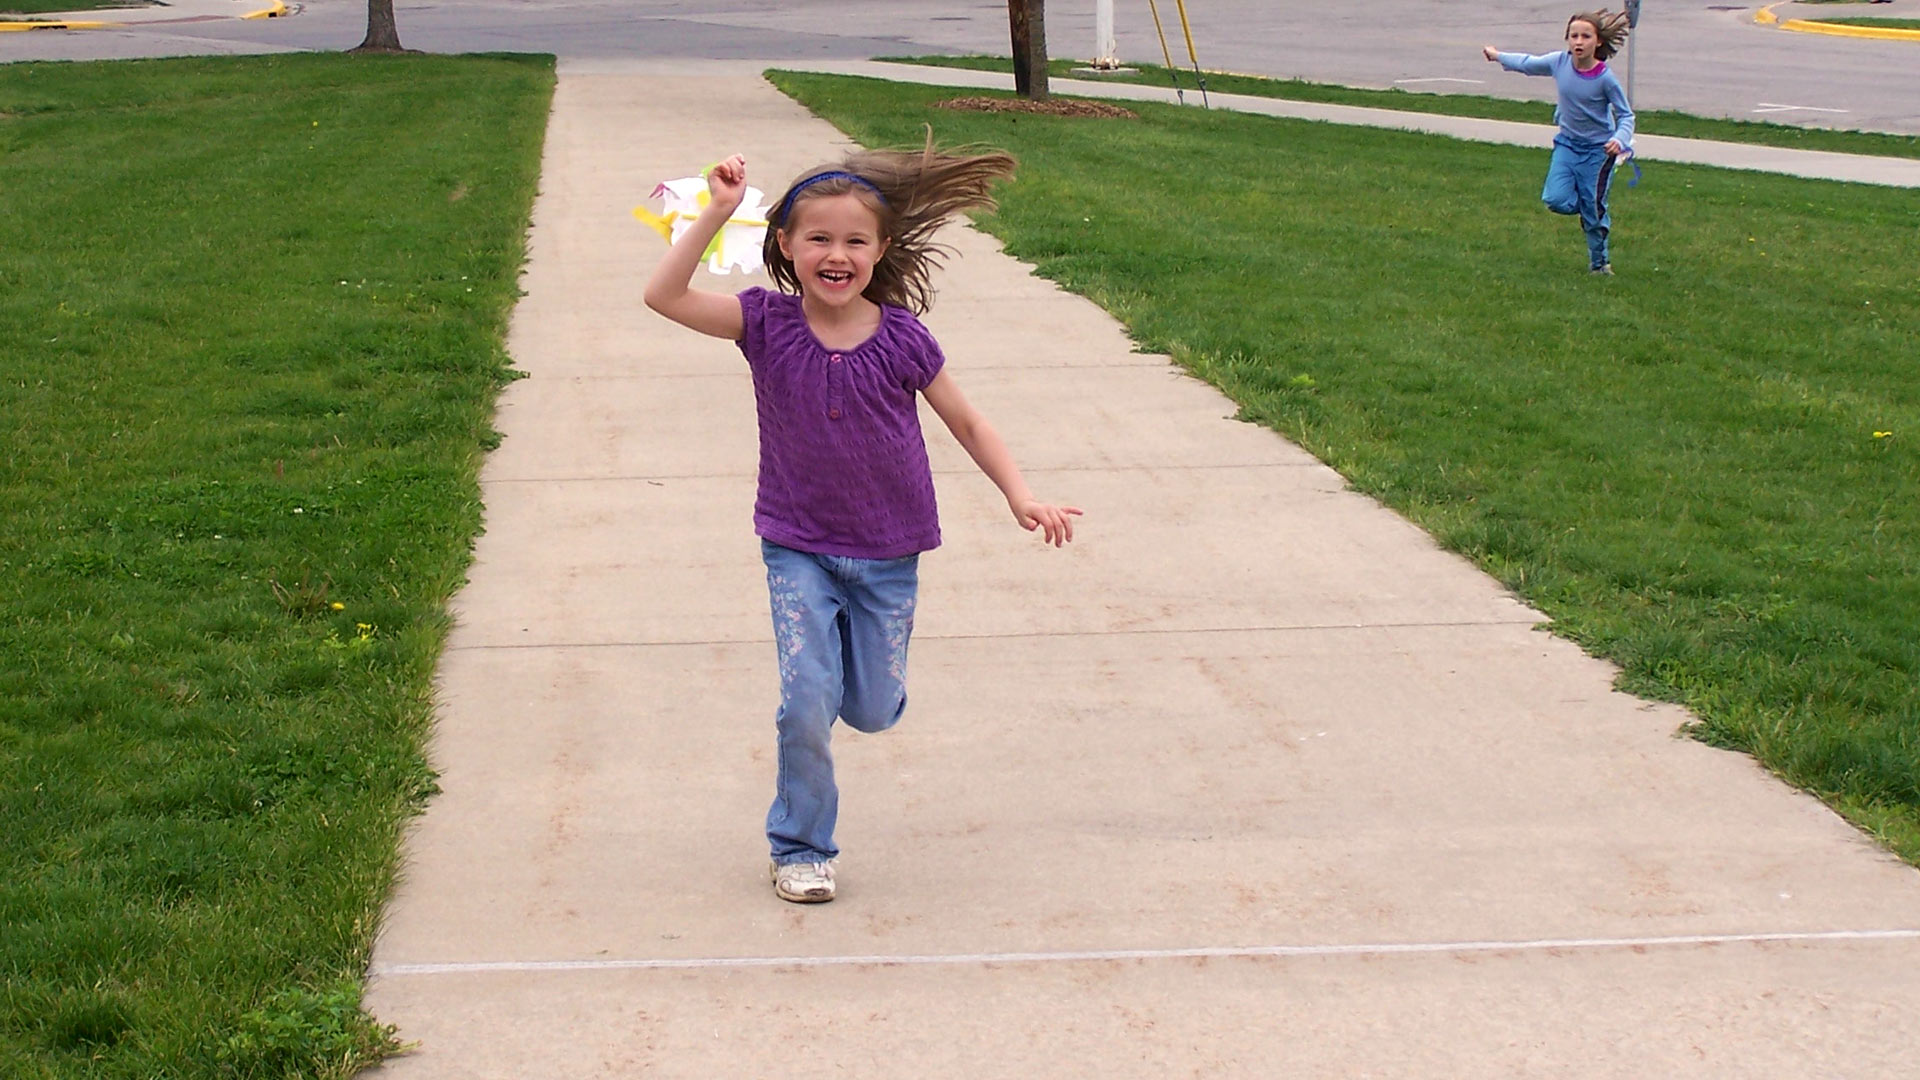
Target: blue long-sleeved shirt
1592, 106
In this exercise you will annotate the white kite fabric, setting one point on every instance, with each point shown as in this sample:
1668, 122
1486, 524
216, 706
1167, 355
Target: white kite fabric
739, 240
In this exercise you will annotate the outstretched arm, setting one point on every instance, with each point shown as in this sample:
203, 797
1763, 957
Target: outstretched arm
990, 452
1523, 63
668, 293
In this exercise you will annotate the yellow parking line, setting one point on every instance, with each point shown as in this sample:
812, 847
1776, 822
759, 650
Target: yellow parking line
64, 24
278, 9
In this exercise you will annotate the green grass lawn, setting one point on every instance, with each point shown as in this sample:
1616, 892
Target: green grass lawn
1687, 466
251, 321
1650, 122
1889, 24
42, 7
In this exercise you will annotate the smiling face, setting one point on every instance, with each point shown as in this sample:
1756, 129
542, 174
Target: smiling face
1582, 39
834, 242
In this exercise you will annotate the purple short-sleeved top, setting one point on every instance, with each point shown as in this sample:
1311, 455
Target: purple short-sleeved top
843, 466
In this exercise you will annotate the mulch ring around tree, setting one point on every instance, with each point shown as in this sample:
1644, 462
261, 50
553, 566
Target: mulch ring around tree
1049, 107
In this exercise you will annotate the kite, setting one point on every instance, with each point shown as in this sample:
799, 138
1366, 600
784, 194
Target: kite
738, 242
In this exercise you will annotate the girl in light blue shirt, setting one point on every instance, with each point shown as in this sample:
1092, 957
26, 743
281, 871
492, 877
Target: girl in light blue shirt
1596, 123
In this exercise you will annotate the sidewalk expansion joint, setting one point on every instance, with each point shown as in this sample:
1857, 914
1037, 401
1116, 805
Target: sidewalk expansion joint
1546, 945
957, 471
1310, 628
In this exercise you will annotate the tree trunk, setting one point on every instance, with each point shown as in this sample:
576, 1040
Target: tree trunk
1028, 19
382, 35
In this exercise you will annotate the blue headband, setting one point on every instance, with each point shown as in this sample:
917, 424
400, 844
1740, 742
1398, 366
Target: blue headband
786, 204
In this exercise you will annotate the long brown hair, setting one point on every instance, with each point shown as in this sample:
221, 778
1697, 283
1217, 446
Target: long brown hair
912, 192
1609, 26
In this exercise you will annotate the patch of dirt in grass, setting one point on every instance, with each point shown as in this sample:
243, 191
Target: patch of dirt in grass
1049, 107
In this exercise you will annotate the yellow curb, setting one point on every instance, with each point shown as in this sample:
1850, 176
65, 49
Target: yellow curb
1884, 33
278, 10
1765, 16
64, 24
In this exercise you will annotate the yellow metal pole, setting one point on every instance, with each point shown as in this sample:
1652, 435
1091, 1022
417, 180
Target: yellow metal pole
1172, 72
1187, 28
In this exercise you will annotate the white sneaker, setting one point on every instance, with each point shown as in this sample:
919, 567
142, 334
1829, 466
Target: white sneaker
803, 882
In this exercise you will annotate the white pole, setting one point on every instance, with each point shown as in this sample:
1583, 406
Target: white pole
1103, 44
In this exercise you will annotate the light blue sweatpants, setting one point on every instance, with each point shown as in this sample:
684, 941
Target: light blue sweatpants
1577, 180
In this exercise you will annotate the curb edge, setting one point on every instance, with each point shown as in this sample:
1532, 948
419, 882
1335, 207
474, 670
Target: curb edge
1821, 26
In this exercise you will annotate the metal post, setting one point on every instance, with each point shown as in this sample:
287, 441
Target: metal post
1104, 46
1633, 36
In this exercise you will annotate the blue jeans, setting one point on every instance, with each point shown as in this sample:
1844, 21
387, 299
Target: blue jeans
1577, 181
841, 627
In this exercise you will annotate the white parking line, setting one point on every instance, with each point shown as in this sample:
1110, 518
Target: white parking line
1403, 82
1225, 952
1770, 107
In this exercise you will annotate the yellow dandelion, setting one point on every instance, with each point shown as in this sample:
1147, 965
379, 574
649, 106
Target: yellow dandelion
337, 606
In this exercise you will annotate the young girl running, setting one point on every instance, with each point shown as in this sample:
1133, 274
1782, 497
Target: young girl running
1596, 123
845, 503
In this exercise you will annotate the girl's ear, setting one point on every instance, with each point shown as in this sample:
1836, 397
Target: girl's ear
780, 236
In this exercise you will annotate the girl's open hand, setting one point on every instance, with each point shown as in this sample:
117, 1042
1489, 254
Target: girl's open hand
1056, 521
727, 182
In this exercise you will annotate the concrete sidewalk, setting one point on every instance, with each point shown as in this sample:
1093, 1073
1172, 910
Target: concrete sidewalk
1252, 780
1811, 164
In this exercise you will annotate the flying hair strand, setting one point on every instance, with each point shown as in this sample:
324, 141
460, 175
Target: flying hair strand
912, 193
